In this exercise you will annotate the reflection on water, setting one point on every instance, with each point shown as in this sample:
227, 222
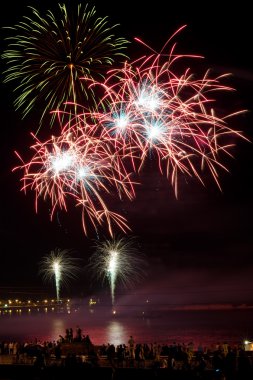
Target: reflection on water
156, 325
24, 311
116, 333
58, 328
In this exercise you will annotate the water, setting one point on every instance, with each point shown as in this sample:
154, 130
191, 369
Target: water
205, 327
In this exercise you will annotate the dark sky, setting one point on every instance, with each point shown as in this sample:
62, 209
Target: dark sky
199, 246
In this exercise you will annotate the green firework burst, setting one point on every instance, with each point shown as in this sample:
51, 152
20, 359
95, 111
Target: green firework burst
53, 59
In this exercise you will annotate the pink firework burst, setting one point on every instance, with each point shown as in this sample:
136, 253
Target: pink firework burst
76, 168
153, 112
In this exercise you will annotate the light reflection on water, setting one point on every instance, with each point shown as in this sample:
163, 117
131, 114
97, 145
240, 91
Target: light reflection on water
57, 328
116, 333
163, 326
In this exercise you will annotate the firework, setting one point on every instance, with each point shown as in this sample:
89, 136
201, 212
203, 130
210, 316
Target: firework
59, 266
52, 58
117, 261
148, 109
170, 118
79, 170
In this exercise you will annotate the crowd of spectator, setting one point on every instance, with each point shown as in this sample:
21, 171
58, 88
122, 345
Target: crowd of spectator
223, 358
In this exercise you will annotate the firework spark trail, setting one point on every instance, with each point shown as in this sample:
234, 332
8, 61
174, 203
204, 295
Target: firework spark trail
48, 54
117, 261
153, 112
60, 266
85, 127
78, 167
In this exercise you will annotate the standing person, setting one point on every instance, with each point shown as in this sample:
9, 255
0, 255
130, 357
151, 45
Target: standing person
88, 343
120, 355
67, 335
70, 335
131, 347
78, 334
111, 352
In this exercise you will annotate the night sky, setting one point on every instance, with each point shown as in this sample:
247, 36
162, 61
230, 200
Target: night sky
199, 247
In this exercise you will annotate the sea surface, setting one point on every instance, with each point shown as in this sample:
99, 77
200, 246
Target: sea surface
106, 325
